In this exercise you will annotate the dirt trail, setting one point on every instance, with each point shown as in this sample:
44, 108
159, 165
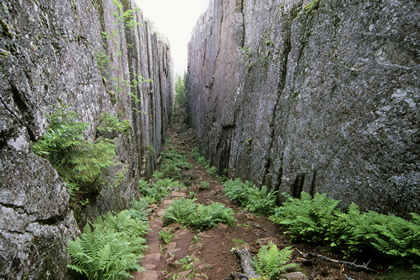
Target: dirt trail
210, 251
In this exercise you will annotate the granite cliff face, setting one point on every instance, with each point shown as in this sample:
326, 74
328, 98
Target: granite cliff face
81, 53
319, 96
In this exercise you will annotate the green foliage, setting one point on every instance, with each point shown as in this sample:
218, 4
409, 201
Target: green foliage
111, 247
260, 201
125, 18
187, 263
103, 60
307, 219
355, 232
201, 160
166, 235
199, 216
156, 190
317, 220
110, 124
173, 163
311, 6
270, 262
180, 96
212, 171
78, 161
204, 185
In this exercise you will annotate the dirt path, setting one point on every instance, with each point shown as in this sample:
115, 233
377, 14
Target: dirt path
208, 254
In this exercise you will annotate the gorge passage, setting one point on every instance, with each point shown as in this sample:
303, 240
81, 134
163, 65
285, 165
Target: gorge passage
315, 96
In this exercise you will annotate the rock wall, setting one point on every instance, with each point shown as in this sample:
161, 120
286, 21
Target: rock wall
315, 96
80, 53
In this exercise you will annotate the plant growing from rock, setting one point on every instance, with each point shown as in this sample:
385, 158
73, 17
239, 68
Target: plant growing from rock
79, 162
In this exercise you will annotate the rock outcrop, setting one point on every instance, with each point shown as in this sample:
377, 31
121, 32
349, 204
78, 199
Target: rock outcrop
315, 96
85, 54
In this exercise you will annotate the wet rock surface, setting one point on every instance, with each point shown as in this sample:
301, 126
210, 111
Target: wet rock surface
50, 54
315, 96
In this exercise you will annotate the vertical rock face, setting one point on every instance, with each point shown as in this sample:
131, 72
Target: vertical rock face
81, 53
315, 96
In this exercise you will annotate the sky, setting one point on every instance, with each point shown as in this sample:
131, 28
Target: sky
175, 19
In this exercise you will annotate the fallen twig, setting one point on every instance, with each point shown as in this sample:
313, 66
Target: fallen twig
353, 264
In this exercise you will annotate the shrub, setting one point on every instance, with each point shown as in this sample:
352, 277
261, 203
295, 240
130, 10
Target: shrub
270, 262
258, 201
111, 246
199, 216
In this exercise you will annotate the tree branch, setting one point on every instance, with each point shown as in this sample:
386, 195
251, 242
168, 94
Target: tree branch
353, 264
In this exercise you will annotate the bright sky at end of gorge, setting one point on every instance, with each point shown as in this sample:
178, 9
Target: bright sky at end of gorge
175, 19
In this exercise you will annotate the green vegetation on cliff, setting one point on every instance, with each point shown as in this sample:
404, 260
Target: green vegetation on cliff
80, 162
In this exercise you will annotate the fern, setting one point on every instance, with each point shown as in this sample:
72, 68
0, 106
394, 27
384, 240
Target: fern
392, 235
181, 211
212, 214
307, 219
172, 165
347, 232
78, 161
258, 201
111, 247
270, 262
191, 214
316, 220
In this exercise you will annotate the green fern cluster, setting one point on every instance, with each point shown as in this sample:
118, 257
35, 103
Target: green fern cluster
173, 163
307, 219
156, 190
318, 220
354, 232
111, 247
79, 162
260, 201
270, 261
196, 215
201, 160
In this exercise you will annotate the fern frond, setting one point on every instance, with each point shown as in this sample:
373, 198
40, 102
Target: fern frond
270, 262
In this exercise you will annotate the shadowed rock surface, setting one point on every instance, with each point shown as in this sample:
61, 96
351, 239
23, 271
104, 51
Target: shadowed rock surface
49, 53
315, 96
